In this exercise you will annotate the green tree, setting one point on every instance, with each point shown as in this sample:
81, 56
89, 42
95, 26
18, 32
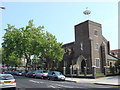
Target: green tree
13, 60
11, 46
0, 50
30, 41
0, 55
117, 62
32, 38
12, 41
52, 51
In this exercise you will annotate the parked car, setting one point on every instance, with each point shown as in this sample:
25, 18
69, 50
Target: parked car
5, 72
24, 73
55, 75
29, 74
7, 81
16, 73
33, 74
9, 72
41, 74
12, 72
19, 73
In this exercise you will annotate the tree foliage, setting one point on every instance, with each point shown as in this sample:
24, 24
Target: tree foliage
117, 62
30, 41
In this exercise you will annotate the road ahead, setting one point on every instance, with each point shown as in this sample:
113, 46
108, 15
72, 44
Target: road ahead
25, 82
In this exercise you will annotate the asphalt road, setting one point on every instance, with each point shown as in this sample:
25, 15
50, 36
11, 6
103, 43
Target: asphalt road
25, 82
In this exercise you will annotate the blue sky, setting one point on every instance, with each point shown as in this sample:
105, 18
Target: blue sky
59, 18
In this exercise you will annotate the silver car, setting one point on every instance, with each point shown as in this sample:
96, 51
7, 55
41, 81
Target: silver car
41, 74
7, 81
55, 75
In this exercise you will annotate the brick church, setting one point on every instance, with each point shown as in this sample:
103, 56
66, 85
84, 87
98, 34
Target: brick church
89, 49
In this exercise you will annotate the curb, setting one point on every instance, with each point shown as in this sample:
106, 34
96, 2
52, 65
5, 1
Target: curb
93, 83
106, 84
78, 82
71, 81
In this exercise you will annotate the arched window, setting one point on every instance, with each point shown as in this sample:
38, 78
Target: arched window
110, 63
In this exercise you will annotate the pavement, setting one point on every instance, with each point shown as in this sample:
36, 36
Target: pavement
111, 80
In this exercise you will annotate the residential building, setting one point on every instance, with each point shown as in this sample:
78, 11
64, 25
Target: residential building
116, 52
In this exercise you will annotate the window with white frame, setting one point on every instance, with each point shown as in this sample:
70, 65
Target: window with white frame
97, 62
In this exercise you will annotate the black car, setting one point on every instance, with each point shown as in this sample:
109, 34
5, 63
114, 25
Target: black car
55, 75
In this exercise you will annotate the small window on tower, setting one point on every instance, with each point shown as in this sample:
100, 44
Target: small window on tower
95, 32
97, 46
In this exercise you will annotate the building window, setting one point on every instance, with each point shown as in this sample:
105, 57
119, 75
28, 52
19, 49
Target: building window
108, 63
95, 32
97, 62
81, 46
97, 46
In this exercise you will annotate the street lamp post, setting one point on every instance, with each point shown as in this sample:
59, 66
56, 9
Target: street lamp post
2, 7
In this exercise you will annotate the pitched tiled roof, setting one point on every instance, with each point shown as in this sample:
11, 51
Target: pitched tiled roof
110, 57
68, 44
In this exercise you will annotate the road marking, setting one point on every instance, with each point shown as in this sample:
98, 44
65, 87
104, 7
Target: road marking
33, 81
52, 86
41, 82
63, 86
